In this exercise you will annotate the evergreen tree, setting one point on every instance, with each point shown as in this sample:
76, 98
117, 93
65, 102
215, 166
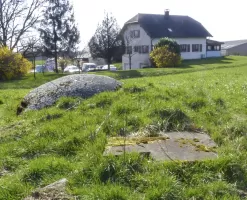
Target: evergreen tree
106, 40
58, 29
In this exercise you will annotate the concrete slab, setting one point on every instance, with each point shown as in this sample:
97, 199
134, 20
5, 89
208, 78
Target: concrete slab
183, 146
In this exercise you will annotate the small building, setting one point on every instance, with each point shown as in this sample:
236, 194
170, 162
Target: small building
236, 47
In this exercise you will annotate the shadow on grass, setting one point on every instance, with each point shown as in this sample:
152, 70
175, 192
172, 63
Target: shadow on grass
221, 60
128, 74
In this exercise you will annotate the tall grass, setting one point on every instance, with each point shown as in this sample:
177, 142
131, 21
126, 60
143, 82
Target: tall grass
40, 147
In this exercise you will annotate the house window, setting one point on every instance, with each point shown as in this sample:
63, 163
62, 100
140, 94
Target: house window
196, 47
145, 49
135, 34
141, 49
137, 49
213, 48
129, 50
185, 48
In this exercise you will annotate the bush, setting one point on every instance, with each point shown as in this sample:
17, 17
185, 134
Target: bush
172, 45
163, 57
12, 65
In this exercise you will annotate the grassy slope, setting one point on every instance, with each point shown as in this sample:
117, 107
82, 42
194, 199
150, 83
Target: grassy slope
40, 147
186, 67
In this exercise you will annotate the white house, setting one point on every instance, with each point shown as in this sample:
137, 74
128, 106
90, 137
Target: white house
143, 31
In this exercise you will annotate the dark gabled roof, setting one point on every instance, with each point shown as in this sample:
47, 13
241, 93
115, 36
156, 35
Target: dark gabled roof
231, 44
214, 42
174, 26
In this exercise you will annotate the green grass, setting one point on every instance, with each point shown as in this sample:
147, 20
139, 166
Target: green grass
40, 147
40, 62
29, 82
186, 67
118, 66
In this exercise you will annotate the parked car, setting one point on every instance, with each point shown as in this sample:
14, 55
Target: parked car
71, 69
88, 67
112, 67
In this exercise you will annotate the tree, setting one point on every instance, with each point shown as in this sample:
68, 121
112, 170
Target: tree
173, 46
31, 48
130, 43
106, 39
164, 57
166, 53
17, 17
58, 29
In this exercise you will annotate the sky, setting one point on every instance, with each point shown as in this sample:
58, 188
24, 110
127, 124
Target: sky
225, 20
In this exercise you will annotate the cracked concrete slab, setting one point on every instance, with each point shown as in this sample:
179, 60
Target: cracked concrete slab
183, 146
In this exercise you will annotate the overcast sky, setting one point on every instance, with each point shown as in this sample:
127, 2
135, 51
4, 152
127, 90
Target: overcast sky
225, 20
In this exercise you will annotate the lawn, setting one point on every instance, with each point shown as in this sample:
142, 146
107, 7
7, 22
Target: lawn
186, 67
40, 147
40, 62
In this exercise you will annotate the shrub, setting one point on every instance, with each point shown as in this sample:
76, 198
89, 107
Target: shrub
12, 65
172, 45
163, 57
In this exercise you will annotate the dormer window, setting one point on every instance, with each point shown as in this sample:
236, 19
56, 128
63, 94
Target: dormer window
135, 34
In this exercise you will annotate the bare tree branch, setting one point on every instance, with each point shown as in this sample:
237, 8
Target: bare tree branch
31, 47
129, 43
17, 17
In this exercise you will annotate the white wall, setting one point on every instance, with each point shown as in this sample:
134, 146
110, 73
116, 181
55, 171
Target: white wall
137, 59
190, 55
97, 61
211, 54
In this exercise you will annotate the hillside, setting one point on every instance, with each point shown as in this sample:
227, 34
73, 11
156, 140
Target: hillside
68, 139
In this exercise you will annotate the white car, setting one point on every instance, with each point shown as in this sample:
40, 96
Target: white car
71, 69
112, 67
89, 67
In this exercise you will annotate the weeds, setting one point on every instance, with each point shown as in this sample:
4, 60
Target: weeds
172, 120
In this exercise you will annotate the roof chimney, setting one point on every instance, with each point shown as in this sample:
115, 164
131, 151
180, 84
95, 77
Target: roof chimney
167, 13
